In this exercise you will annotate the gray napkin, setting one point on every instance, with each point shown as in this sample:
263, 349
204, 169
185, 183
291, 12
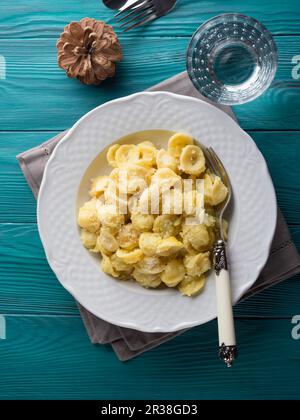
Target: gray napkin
283, 262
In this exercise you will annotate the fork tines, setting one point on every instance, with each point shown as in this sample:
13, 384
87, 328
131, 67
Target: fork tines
136, 14
219, 167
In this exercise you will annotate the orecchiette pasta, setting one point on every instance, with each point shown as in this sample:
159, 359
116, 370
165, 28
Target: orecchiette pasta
131, 172
130, 257
192, 160
151, 265
169, 246
111, 155
109, 217
120, 266
191, 286
88, 217
143, 222
99, 185
149, 242
165, 178
147, 143
197, 236
214, 190
106, 241
147, 154
177, 143
112, 196
149, 221
146, 279
89, 239
174, 273
165, 160
128, 237
167, 225
107, 266
209, 220
198, 264
127, 153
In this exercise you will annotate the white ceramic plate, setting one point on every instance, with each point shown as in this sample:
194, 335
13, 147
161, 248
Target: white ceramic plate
127, 304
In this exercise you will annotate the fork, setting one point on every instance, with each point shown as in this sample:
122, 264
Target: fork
227, 339
143, 11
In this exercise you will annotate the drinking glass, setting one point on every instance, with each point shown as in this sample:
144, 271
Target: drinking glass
232, 59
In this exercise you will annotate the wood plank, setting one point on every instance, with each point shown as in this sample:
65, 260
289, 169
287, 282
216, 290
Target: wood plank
39, 18
17, 201
281, 150
282, 154
38, 96
26, 278
29, 286
52, 358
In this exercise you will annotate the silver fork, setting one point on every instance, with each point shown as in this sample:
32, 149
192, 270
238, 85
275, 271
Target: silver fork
227, 339
143, 11
218, 168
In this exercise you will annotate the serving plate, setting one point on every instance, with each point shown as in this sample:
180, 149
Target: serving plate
63, 189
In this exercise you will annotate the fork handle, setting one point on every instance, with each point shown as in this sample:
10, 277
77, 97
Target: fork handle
227, 339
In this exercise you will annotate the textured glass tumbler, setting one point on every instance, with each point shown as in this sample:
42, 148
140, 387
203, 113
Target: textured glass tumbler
232, 59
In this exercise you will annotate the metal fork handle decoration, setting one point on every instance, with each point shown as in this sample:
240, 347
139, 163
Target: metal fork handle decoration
227, 340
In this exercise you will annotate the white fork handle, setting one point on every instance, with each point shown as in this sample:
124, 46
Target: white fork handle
225, 312
227, 338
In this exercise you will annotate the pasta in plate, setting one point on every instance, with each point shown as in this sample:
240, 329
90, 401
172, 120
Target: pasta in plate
138, 217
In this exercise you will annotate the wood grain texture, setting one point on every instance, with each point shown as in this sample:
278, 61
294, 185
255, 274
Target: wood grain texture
39, 96
19, 205
41, 18
28, 286
17, 201
51, 357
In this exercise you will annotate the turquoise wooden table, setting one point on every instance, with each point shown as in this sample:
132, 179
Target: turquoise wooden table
46, 353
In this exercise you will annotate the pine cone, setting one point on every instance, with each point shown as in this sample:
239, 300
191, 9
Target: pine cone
88, 50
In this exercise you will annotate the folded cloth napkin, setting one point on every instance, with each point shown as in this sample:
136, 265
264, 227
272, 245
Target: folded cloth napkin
283, 262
